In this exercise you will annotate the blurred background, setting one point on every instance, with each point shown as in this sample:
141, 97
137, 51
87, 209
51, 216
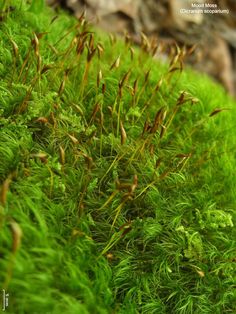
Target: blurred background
211, 37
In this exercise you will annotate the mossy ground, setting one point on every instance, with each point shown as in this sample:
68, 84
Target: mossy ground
117, 174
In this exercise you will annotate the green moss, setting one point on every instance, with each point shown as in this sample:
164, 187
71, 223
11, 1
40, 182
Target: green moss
117, 174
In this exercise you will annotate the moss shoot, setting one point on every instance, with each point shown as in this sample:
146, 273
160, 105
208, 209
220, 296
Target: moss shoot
117, 174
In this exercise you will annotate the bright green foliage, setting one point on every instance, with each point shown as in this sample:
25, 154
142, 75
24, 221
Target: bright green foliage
117, 174
37, 6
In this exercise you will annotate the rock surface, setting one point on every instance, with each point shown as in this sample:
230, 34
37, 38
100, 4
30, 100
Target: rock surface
214, 35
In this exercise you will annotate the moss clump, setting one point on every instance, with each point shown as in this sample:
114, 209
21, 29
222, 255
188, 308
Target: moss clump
117, 174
